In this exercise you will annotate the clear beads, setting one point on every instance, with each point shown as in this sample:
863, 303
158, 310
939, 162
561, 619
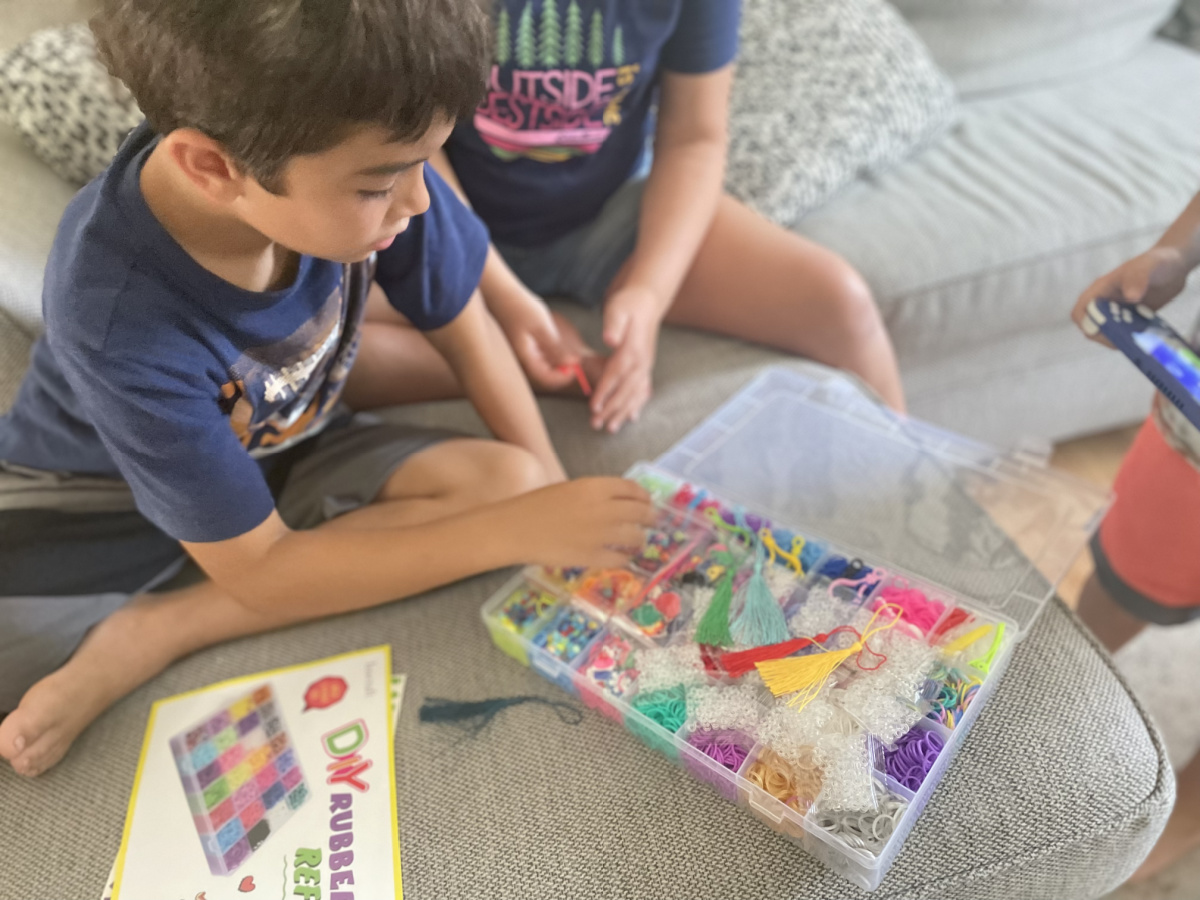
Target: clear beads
887, 700
664, 667
849, 773
792, 733
735, 708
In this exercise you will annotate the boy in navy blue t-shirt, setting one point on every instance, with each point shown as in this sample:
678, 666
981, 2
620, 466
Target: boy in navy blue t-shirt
204, 307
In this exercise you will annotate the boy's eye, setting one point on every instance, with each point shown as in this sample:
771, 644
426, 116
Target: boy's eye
377, 195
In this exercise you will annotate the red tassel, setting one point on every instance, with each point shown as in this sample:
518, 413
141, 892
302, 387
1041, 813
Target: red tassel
955, 618
739, 662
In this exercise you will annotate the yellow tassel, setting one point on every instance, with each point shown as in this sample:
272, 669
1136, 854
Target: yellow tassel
960, 644
805, 676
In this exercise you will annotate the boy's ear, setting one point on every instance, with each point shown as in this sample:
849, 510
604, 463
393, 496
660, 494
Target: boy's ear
206, 163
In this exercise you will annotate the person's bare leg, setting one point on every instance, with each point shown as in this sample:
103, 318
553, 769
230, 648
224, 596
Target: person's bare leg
1182, 834
396, 364
150, 632
1105, 618
759, 282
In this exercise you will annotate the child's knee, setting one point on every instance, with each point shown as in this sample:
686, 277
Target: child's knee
851, 312
507, 471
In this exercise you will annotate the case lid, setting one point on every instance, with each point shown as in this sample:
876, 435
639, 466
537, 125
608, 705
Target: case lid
815, 453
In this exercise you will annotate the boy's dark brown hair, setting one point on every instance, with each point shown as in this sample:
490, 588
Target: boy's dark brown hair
272, 79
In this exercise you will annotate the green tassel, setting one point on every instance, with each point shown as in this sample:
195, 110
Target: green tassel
714, 626
760, 621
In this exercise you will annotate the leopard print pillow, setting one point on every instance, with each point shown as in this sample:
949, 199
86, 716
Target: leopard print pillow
826, 93
58, 96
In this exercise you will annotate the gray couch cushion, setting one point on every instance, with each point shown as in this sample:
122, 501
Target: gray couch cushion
825, 92
990, 45
1058, 792
31, 204
984, 241
14, 357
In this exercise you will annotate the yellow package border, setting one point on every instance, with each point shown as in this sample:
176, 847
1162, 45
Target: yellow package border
256, 676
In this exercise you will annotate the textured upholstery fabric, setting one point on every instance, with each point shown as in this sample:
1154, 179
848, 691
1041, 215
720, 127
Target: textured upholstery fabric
1056, 795
1185, 26
994, 45
62, 101
824, 93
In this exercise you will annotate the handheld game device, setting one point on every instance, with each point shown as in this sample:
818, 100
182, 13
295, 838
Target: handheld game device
1155, 347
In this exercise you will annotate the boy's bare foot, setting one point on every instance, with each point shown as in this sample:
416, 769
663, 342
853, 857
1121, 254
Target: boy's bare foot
124, 651
110, 663
1181, 837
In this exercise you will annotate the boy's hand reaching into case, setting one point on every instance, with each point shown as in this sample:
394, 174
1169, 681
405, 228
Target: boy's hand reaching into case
1154, 278
631, 325
597, 522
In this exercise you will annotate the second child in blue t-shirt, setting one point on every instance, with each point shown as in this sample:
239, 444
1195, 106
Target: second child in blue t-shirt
557, 162
204, 303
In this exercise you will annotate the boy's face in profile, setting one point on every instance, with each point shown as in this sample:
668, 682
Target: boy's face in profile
347, 202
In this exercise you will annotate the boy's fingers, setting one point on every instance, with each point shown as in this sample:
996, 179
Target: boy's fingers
610, 559
1135, 285
631, 536
619, 410
623, 489
610, 382
616, 327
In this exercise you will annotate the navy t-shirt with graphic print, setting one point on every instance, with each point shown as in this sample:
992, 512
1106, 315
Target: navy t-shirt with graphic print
157, 371
568, 105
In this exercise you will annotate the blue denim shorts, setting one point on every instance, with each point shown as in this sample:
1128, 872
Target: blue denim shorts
582, 264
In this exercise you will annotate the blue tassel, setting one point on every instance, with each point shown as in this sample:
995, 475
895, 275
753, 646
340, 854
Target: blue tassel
760, 620
475, 715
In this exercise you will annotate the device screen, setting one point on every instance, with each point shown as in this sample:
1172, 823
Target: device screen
1173, 355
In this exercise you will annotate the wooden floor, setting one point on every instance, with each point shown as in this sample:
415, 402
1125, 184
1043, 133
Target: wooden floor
1094, 459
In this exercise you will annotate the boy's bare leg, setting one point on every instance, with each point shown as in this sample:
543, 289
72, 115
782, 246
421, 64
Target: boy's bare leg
754, 280
396, 364
150, 632
1182, 834
1105, 618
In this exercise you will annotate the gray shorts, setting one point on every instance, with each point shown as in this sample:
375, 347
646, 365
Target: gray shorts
74, 549
581, 264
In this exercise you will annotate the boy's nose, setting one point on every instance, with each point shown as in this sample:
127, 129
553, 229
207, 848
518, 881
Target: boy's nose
413, 201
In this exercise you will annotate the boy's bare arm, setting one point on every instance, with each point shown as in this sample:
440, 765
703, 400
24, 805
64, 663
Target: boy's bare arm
678, 206
1155, 277
1184, 235
337, 567
491, 377
545, 347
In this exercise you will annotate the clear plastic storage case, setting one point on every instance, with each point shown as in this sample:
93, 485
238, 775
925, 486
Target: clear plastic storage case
827, 602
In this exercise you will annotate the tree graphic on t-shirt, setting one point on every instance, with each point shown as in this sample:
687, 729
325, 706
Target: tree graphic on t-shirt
596, 41
573, 40
551, 34
618, 54
503, 38
526, 48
